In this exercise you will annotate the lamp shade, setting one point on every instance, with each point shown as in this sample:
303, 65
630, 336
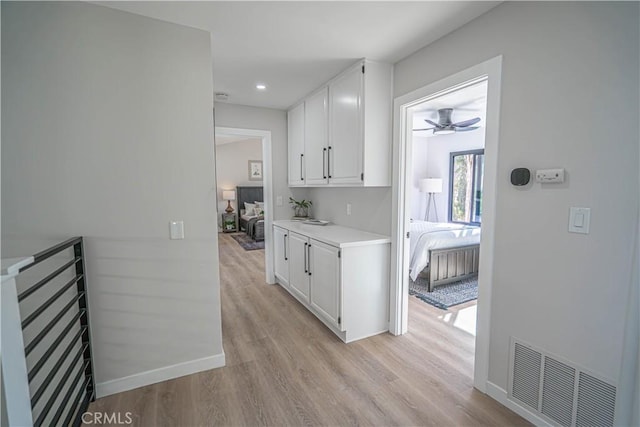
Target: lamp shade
430, 185
228, 195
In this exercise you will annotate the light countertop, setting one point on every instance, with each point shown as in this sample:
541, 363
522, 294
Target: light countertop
334, 235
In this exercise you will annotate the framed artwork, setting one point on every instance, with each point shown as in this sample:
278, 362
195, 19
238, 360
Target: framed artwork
255, 170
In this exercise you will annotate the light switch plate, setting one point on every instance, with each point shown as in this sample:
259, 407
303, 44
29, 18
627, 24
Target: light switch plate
176, 230
579, 219
279, 201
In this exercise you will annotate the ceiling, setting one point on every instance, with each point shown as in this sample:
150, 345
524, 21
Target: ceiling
467, 103
293, 47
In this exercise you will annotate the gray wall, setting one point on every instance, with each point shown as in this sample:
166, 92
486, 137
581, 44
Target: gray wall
243, 117
569, 99
108, 134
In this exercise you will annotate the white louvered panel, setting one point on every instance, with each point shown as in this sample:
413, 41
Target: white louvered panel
526, 375
596, 402
558, 383
559, 391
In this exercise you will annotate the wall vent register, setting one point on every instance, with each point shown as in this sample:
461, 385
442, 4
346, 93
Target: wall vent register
559, 392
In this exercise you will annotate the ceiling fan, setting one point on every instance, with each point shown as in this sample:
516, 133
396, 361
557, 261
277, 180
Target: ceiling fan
446, 126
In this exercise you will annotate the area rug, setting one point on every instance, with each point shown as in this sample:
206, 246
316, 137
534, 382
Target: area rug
445, 296
247, 243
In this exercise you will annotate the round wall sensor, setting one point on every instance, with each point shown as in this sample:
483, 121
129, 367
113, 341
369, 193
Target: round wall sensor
520, 176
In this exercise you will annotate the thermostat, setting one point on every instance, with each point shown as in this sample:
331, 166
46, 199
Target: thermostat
550, 175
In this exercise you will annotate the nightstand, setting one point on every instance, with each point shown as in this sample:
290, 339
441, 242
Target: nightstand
229, 222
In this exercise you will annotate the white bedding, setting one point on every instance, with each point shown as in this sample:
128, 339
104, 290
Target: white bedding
248, 217
437, 235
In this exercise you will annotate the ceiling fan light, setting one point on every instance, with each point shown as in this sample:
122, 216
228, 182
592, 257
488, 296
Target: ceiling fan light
443, 131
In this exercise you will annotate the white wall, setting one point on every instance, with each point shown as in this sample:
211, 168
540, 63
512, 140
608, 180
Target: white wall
431, 157
566, 68
232, 167
108, 134
419, 152
244, 117
370, 207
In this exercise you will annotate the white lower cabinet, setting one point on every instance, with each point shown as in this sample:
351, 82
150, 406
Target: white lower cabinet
298, 271
281, 255
339, 274
324, 261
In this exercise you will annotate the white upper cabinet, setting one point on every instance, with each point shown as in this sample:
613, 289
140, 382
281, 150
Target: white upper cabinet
295, 120
347, 130
316, 137
345, 118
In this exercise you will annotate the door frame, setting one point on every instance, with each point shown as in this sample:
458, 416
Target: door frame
267, 192
490, 70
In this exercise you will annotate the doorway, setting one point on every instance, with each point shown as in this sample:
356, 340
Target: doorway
404, 109
444, 197
246, 175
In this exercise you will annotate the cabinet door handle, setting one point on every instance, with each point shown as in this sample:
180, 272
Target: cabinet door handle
309, 258
301, 177
306, 270
284, 238
324, 164
329, 162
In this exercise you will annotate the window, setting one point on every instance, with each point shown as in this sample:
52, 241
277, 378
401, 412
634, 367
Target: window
466, 172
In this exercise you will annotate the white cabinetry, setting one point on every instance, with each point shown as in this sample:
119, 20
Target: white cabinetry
298, 266
281, 255
347, 130
339, 274
295, 120
345, 116
324, 296
315, 137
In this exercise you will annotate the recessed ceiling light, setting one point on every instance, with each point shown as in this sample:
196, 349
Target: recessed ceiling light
260, 86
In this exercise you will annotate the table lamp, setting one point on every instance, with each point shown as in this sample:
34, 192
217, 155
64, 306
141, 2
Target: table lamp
228, 195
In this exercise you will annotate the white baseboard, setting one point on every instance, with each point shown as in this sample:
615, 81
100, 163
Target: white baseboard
158, 375
500, 395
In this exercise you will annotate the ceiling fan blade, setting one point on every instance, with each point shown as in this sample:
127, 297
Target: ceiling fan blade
432, 123
466, 129
415, 130
467, 122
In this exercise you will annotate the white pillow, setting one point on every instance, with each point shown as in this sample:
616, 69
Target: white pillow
259, 210
249, 208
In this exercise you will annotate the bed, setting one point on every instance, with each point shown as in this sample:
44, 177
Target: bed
443, 252
249, 222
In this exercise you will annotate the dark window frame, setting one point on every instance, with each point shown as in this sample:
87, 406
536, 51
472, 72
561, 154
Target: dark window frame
473, 182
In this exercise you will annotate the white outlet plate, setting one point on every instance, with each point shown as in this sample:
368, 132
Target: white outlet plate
279, 201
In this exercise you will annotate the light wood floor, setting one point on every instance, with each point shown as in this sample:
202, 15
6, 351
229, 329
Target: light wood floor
285, 368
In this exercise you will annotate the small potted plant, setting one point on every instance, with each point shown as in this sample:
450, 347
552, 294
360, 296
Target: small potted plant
300, 208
